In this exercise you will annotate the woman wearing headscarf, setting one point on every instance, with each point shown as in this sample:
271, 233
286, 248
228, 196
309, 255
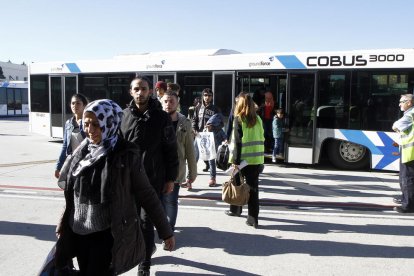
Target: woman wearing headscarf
247, 143
104, 181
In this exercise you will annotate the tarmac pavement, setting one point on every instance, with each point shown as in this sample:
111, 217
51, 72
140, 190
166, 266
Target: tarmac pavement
322, 217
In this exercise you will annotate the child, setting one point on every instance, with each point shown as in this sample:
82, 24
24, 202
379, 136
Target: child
215, 125
279, 129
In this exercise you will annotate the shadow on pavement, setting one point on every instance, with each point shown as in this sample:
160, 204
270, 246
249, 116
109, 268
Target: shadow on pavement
261, 245
38, 231
200, 265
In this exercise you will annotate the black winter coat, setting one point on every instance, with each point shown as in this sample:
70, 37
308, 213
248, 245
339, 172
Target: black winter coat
154, 132
129, 185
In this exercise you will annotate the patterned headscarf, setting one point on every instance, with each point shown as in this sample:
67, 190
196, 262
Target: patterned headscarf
109, 116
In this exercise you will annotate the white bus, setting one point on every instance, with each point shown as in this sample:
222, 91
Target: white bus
340, 105
14, 98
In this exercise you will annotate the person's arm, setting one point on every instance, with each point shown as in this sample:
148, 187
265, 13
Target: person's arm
169, 151
195, 120
190, 154
238, 134
62, 155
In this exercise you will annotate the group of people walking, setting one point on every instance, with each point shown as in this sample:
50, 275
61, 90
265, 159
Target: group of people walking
121, 171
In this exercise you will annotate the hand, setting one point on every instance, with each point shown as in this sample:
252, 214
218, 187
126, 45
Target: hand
168, 187
169, 244
57, 173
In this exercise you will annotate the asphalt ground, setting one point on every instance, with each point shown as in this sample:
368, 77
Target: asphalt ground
309, 215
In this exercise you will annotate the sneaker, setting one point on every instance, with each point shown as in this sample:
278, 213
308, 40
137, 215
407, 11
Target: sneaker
274, 159
212, 183
279, 156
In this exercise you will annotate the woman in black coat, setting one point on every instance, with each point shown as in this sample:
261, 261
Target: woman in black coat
103, 181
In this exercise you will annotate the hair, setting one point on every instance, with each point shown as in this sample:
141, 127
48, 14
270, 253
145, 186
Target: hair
245, 109
280, 110
141, 77
408, 97
80, 97
171, 93
208, 91
174, 87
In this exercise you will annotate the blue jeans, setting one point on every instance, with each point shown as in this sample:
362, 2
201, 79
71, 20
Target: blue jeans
212, 168
278, 149
170, 203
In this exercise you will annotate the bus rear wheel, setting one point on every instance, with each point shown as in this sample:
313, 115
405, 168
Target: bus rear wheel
348, 156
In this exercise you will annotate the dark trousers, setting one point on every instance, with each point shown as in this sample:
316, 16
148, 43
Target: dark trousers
147, 227
251, 173
93, 252
407, 185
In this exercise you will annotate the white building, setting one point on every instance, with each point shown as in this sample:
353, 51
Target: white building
13, 72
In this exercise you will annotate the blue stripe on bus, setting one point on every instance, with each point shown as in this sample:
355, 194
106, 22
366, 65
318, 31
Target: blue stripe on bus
357, 136
73, 68
291, 62
4, 84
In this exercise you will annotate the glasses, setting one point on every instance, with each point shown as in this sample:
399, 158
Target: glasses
403, 101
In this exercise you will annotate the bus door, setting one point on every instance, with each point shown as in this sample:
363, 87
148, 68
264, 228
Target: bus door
301, 112
223, 88
11, 107
61, 90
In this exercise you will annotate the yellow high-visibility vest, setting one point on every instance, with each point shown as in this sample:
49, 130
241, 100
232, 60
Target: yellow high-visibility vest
252, 150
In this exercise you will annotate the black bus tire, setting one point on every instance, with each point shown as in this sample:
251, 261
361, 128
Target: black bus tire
348, 156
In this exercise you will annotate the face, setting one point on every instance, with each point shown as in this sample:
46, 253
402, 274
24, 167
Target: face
160, 92
169, 103
280, 115
92, 128
208, 98
140, 91
77, 106
405, 104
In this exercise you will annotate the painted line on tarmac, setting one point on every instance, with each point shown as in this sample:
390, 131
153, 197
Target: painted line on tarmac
26, 163
290, 212
31, 188
33, 197
300, 203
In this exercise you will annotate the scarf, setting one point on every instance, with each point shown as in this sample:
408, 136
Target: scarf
87, 169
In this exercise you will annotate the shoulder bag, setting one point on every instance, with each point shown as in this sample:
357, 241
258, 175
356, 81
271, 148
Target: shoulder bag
234, 194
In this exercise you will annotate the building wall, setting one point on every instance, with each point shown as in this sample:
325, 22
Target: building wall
10, 71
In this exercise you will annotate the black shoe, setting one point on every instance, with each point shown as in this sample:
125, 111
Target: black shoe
397, 200
251, 221
231, 214
402, 210
206, 169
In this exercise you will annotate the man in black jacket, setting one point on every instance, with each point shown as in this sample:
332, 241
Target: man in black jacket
202, 114
148, 126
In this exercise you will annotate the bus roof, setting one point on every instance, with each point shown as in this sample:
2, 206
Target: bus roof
231, 60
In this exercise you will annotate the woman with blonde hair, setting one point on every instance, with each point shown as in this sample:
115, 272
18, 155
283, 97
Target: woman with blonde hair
247, 143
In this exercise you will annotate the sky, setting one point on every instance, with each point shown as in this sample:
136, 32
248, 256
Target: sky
72, 30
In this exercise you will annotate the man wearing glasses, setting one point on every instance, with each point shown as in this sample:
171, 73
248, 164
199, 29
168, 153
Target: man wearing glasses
405, 127
202, 113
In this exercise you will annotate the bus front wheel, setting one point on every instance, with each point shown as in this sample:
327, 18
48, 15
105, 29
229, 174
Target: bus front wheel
348, 156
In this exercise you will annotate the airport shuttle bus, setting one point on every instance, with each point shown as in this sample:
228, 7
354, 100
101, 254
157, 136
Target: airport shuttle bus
14, 98
340, 105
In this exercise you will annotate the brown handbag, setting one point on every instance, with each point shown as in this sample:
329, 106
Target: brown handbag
234, 194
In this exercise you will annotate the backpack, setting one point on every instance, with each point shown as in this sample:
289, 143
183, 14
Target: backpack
222, 159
